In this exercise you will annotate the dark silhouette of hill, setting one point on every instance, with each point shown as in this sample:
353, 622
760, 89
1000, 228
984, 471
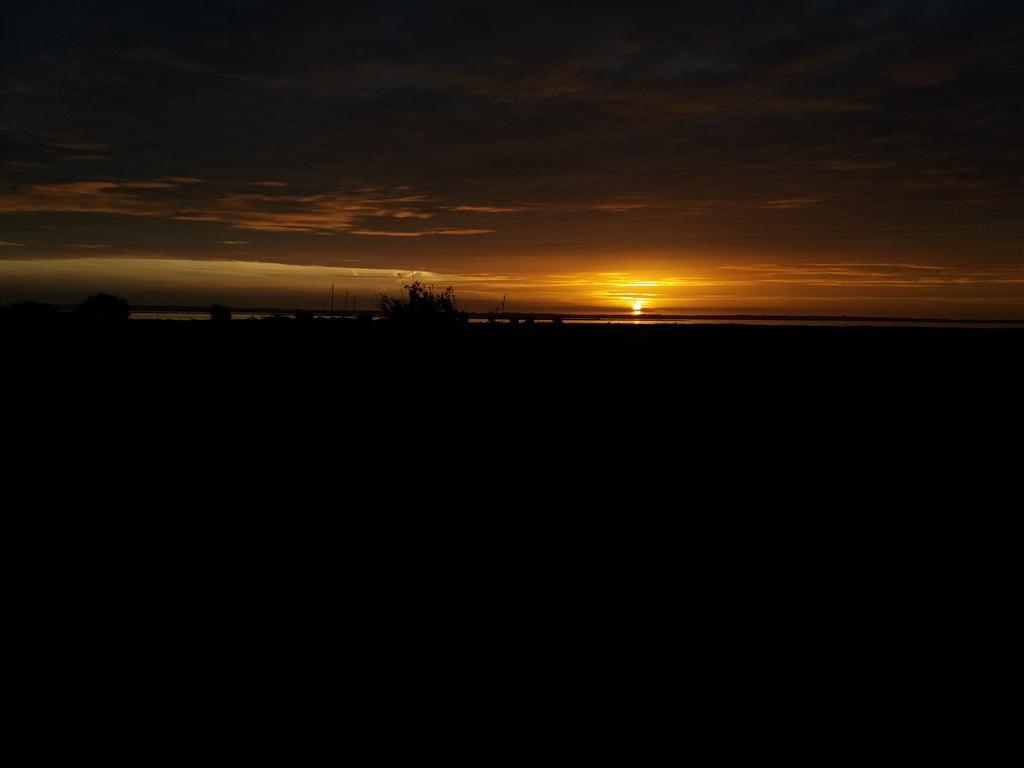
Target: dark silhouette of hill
245, 536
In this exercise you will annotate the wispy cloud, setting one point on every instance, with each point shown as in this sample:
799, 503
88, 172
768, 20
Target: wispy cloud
616, 207
181, 198
490, 208
876, 274
790, 203
387, 233
157, 184
82, 145
856, 165
83, 158
421, 233
167, 58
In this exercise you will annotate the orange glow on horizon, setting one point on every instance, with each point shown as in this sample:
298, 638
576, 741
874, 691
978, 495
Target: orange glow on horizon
914, 289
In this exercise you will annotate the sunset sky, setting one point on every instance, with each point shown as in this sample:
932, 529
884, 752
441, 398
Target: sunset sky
801, 157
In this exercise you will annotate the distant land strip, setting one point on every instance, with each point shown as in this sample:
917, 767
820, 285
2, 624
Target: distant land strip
570, 316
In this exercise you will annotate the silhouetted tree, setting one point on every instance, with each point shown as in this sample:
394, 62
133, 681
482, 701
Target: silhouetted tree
220, 313
423, 303
103, 306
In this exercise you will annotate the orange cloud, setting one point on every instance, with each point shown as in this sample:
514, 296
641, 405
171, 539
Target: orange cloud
790, 203
489, 209
316, 214
616, 207
386, 233
421, 233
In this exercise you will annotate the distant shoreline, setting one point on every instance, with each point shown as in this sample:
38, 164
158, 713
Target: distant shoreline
241, 312
651, 318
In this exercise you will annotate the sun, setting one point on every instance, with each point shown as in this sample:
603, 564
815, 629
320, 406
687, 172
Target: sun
638, 307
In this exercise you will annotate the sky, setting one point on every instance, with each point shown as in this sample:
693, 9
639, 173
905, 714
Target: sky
816, 157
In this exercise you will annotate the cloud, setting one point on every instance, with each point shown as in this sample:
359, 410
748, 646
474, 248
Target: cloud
386, 233
870, 274
316, 213
616, 207
9, 244
548, 207
83, 158
166, 58
489, 209
162, 184
790, 203
857, 165
74, 197
79, 144
421, 233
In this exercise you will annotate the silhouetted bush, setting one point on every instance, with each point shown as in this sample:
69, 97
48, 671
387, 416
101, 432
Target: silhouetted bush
364, 317
220, 313
304, 316
423, 303
104, 307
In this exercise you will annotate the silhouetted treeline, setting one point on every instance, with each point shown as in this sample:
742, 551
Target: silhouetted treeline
105, 307
99, 307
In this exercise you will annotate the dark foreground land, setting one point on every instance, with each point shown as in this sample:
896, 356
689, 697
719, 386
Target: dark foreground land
268, 539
